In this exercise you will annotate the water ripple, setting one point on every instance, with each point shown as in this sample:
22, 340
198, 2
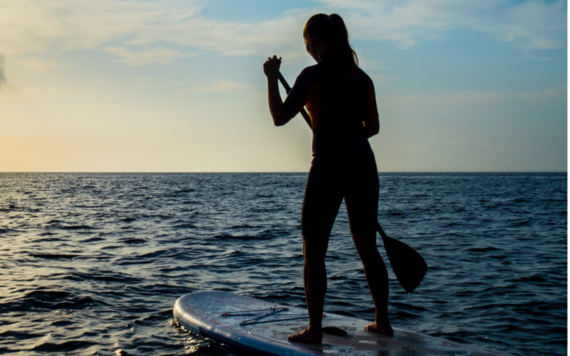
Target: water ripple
92, 263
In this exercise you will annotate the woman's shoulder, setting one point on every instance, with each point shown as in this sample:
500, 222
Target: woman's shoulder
364, 77
309, 75
309, 71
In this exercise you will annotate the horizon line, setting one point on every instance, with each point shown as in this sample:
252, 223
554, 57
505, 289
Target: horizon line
251, 172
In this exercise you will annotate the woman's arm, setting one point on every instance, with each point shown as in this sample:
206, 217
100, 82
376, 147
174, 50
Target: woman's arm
371, 127
279, 114
371, 122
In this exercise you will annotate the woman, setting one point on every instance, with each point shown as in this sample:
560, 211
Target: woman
341, 103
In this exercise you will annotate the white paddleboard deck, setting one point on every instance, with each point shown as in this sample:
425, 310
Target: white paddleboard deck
201, 313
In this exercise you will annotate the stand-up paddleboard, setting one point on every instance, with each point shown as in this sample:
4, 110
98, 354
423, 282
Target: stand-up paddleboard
255, 327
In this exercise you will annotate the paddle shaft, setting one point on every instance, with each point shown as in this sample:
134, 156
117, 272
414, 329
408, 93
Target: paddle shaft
381, 231
288, 89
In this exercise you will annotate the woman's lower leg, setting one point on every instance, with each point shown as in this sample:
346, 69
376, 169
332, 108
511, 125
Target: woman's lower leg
377, 278
315, 281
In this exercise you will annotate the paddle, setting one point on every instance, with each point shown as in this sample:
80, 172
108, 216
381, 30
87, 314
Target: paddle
288, 89
408, 265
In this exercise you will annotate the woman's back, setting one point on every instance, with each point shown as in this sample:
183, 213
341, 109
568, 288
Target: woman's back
337, 101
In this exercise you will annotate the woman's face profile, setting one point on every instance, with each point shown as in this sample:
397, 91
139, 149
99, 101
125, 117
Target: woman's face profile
308, 40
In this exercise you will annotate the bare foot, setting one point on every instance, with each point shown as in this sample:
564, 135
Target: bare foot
307, 336
381, 328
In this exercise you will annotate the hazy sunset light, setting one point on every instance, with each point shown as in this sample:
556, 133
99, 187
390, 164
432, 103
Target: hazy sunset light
178, 86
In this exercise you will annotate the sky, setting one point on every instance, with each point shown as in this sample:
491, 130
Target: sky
178, 86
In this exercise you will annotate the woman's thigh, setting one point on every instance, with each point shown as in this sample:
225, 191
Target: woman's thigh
323, 197
361, 199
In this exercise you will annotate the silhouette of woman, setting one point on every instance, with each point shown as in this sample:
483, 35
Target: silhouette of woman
341, 103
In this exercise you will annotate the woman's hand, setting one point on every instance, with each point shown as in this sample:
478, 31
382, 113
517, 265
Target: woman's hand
271, 67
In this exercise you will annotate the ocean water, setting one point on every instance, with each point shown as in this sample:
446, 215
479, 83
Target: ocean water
91, 264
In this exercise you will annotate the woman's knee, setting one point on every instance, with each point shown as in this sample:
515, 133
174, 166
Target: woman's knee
364, 241
365, 245
315, 248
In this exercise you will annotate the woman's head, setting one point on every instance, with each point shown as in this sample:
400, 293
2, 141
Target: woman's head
330, 31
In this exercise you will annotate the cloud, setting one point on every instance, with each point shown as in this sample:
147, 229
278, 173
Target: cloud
455, 98
38, 65
368, 64
535, 24
33, 25
158, 55
224, 86
3, 79
115, 25
549, 94
381, 79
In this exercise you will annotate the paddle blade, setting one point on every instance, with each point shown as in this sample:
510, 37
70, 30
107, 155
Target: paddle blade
408, 265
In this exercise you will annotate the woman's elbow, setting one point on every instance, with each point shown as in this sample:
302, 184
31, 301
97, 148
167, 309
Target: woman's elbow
376, 130
372, 127
278, 122
281, 119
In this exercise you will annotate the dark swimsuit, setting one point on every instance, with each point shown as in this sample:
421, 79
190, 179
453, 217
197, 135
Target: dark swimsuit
343, 164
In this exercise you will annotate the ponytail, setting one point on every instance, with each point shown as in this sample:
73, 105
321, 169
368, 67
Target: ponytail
332, 30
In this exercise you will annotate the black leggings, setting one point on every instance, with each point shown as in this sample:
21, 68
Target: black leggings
345, 169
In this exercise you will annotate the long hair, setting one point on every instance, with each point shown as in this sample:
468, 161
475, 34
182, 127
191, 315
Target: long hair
332, 30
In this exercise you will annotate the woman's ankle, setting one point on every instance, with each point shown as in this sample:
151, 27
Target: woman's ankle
313, 328
382, 319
